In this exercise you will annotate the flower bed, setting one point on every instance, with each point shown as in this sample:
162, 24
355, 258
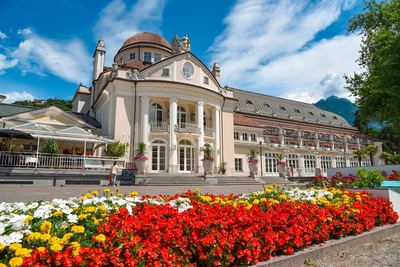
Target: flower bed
189, 229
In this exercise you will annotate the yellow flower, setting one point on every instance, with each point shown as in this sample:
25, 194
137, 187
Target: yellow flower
90, 209
133, 194
282, 197
95, 193
78, 229
120, 195
97, 221
1, 246
41, 249
249, 206
100, 238
197, 189
263, 199
2, 265
14, 246
102, 208
34, 236
256, 202
16, 262
23, 252
75, 248
45, 237
88, 195
57, 213
106, 190
56, 247
45, 227
111, 193
82, 216
28, 219
268, 190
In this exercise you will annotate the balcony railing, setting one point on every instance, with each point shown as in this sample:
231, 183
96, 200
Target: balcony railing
159, 126
209, 132
60, 161
185, 127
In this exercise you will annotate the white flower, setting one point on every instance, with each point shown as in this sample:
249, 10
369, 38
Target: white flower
67, 210
72, 218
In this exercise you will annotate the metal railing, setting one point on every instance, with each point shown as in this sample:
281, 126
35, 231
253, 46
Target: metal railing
60, 161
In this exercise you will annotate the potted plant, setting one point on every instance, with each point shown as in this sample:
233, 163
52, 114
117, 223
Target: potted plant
51, 147
281, 164
293, 142
222, 167
208, 159
141, 158
341, 146
252, 159
311, 144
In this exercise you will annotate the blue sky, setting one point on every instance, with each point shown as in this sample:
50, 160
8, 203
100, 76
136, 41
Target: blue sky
295, 49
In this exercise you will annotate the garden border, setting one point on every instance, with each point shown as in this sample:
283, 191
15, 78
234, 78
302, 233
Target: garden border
334, 246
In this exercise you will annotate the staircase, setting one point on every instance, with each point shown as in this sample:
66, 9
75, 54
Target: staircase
195, 179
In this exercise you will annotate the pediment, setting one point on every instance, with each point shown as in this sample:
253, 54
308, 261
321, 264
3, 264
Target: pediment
177, 69
47, 116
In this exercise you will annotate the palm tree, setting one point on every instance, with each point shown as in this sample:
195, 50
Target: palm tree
359, 154
386, 157
371, 151
253, 154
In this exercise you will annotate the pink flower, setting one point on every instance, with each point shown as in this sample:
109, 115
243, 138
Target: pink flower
141, 157
281, 163
208, 158
253, 160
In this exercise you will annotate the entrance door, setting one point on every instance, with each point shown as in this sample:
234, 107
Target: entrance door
158, 156
186, 156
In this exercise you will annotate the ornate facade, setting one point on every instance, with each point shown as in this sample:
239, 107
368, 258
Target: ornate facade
165, 97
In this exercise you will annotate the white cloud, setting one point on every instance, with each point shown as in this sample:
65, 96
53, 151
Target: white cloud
67, 59
18, 96
5, 63
269, 47
119, 21
3, 35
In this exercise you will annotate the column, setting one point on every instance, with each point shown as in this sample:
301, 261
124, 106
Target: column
300, 170
144, 133
333, 162
173, 149
216, 122
200, 125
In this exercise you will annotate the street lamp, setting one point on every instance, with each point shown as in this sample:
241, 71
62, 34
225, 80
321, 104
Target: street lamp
261, 160
344, 150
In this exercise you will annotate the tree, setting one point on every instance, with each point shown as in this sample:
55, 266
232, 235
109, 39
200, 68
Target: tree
359, 154
371, 151
377, 87
116, 149
51, 147
386, 157
253, 155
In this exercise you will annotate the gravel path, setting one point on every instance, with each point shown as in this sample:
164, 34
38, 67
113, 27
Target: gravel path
380, 253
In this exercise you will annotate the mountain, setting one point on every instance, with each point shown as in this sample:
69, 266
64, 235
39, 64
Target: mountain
340, 106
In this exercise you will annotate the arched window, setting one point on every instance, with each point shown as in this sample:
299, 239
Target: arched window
182, 117
156, 113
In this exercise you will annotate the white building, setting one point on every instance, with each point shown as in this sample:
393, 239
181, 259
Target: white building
164, 96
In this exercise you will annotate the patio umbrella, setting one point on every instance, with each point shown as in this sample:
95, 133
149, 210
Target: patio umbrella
12, 133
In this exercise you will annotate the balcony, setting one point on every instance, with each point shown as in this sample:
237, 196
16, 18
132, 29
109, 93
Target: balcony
159, 126
289, 133
209, 132
187, 128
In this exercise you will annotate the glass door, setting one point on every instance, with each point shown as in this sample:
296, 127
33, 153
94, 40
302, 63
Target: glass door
158, 156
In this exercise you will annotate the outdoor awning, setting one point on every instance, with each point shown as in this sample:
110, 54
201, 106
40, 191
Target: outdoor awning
79, 139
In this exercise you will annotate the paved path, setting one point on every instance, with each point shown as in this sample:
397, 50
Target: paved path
23, 193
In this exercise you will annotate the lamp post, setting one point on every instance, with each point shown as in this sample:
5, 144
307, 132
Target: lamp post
344, 150
38, 143
261, 158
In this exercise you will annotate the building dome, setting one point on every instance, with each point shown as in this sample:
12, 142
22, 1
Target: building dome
147, 37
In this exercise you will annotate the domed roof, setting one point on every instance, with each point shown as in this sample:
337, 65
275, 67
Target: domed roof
147, 37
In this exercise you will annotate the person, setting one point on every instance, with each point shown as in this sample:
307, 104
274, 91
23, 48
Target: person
113, 173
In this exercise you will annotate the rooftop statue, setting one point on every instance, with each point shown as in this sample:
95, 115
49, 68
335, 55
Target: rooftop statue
180, 45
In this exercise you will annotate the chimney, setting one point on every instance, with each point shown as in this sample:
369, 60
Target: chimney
216, 71
98, 63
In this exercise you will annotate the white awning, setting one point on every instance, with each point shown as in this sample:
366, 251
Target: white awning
93, 139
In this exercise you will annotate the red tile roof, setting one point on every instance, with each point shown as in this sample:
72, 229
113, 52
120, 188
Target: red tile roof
147, 37
135, 64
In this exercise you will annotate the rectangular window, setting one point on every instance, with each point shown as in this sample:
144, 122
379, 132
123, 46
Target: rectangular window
236, 135
238, 165
132, 56
165, 72
253, 137
245, 137
205, 80
120, 60
157, 57
147, 56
